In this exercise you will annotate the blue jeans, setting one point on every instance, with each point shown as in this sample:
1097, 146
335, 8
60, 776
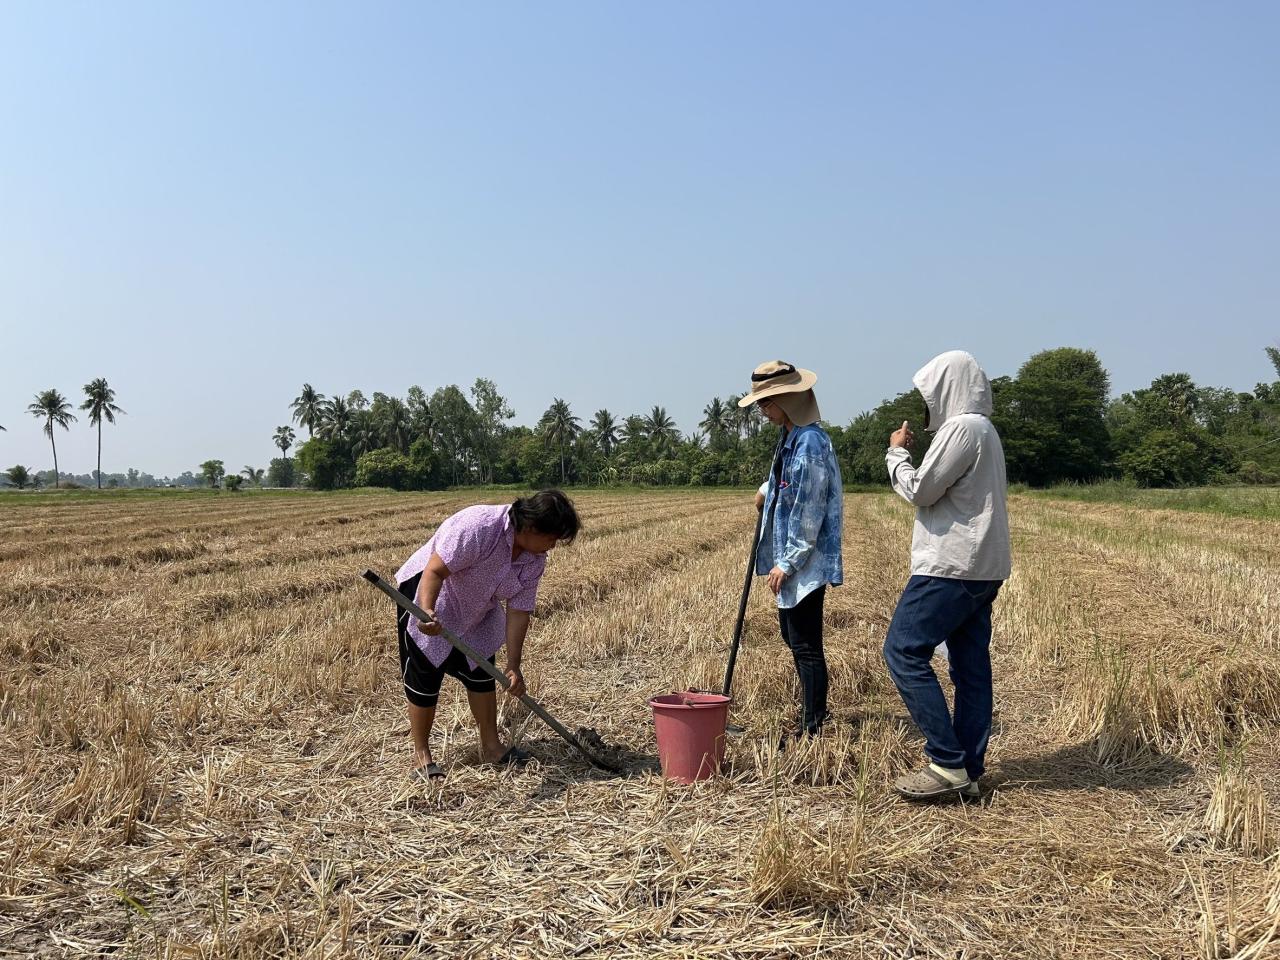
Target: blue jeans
934, 609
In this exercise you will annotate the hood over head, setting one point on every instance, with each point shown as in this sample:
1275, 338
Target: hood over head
952, 383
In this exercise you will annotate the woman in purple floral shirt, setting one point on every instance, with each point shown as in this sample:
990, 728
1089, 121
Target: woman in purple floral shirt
478, 560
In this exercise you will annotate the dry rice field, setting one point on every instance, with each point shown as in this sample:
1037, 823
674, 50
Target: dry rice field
204, 748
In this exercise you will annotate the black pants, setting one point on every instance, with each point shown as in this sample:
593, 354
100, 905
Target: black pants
802, 633
422, 678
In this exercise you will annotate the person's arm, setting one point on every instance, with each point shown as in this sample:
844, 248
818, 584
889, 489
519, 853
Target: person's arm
433, 578
952, 453
760, 495
457, 545
519, 609
517, 629
809, 474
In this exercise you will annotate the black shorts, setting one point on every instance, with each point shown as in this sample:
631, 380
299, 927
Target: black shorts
422, 678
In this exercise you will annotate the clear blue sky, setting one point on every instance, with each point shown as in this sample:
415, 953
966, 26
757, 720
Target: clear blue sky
617, 204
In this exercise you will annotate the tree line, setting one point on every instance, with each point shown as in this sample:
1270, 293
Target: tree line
455, 438
1059, 424
1056, 417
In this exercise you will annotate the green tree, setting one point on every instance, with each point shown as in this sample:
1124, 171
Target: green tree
252, 475
308, 409
1160, 441
559, 428
52, 408
387, 467
326, 465
534, 467
19, 476
335, 419
604, 428
281, 472
492, 412
365, 435
634, 438
718, 420
1273, 354
862, 445
356, 401
454, 430
1052, 418
284, 437
394, 420
426, 469
100, 402
744, 421
1247, 423
661, 432
233, 482
1163, 458
421, 421
213, 471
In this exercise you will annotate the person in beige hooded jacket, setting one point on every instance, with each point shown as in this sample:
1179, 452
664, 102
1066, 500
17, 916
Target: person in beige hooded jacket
959, 559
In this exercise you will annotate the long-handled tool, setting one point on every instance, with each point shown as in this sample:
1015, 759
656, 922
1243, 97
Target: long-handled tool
742, 605
404, 603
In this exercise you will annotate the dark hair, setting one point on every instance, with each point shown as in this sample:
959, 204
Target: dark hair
547, 511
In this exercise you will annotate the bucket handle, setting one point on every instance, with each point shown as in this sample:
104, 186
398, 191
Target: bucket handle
693, 704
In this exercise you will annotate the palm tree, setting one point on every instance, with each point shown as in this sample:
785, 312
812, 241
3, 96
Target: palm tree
308, 408
661, 432
744, 421
100, 402
19, 476
52, 407
734, 414
605, 427
364, 434
632, 437
356, 400
252, 475
717, 420
284, 437
559, 426
421, 423
396, 424
335, 417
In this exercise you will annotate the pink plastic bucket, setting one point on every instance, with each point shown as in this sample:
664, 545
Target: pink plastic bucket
690, 732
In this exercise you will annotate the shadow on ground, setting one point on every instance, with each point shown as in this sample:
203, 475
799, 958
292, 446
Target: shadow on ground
1076, 767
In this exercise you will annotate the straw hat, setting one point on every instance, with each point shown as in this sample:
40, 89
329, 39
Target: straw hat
790, 386
774, 377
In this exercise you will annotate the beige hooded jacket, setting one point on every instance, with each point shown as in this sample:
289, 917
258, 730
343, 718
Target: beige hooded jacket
962, 524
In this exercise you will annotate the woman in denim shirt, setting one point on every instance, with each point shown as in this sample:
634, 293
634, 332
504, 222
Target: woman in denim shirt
800, 537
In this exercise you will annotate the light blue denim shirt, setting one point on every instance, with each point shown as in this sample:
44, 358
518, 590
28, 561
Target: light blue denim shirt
803, 534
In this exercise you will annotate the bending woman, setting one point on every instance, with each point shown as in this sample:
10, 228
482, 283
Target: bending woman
478, 560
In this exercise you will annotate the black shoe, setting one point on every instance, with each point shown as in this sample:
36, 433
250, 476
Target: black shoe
794, 735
